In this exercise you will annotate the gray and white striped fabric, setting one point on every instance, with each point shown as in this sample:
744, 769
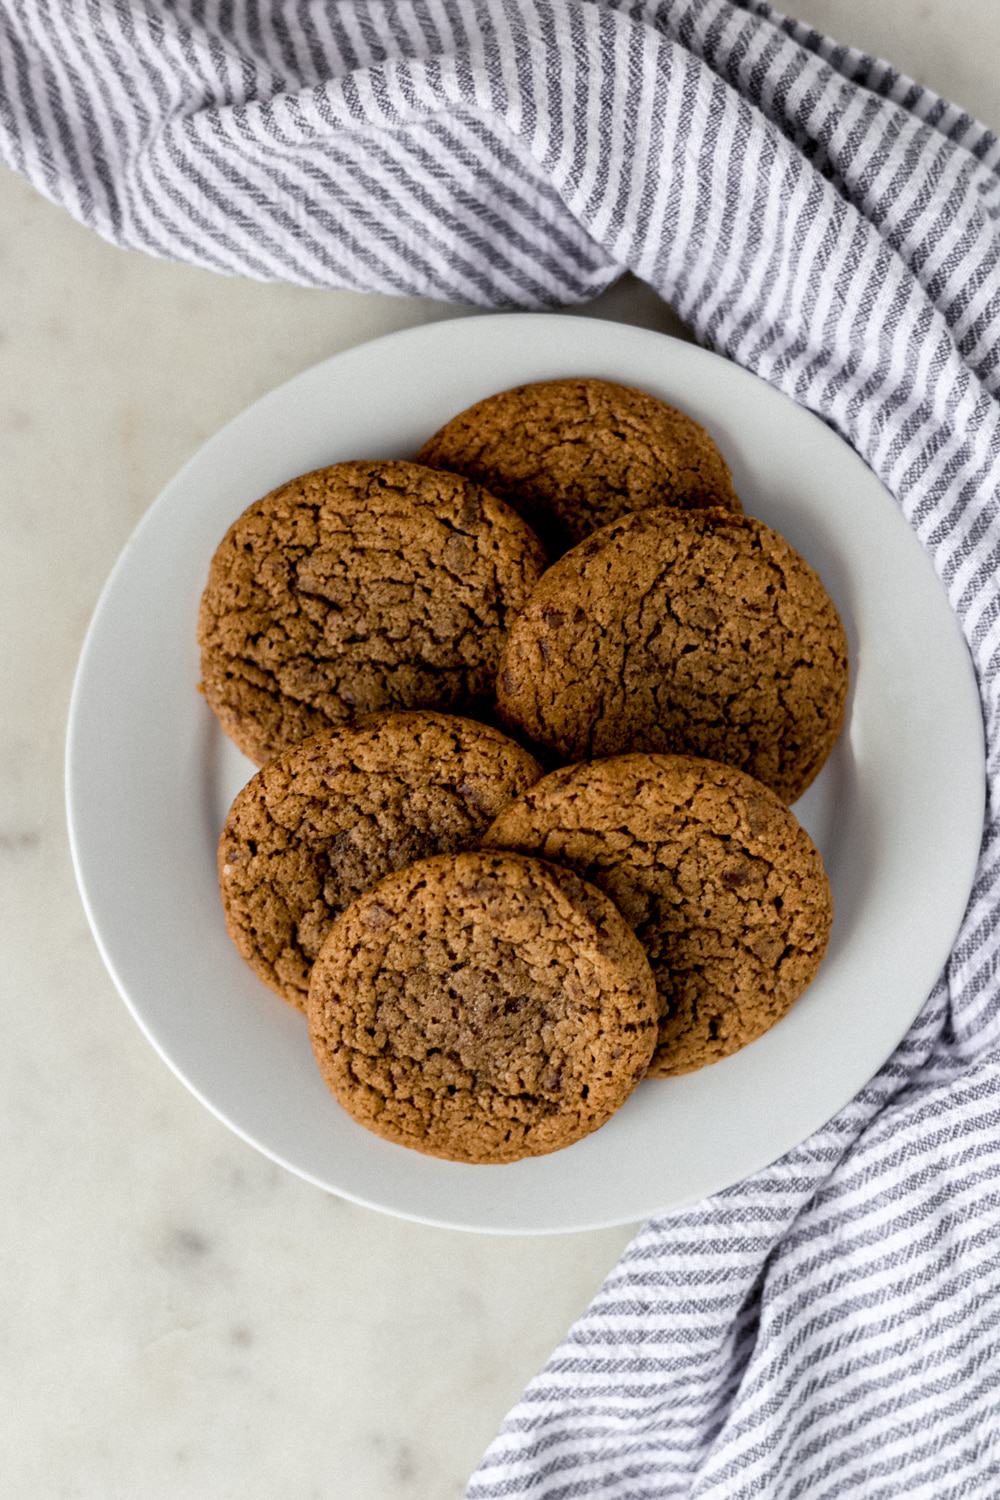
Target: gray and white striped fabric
831, 1326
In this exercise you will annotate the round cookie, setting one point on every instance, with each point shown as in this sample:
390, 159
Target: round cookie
726, 892
681, 631
330, 817
355, 588
482, 1007
573, 455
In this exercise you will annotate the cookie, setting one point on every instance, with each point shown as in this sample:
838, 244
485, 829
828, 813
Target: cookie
482, 1007
359, 587
692, 631
328, 818
573, 455
725, 891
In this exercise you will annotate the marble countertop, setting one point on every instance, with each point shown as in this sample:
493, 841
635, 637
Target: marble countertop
178, 1317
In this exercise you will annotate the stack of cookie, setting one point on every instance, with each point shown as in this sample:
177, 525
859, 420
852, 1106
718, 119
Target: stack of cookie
491, 957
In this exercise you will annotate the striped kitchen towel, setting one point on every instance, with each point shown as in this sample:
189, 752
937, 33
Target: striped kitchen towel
830, 1326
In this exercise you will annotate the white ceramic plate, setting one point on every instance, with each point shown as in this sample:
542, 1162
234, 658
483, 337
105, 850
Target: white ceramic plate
896, 812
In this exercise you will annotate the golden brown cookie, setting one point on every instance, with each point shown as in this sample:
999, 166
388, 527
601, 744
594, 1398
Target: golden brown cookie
355, 588
573, 455
326, 820
482, 1007
692, 631
726, 892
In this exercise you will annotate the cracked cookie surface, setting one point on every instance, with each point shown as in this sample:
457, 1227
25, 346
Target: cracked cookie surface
724, 889
329, 818
573, 455
482, 1007
697, 631
355, 588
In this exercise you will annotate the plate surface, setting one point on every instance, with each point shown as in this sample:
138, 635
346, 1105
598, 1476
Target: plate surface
896, 812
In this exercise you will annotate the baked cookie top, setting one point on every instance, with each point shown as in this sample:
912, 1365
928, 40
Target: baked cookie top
694, 631
334, 814
482, 1007
359, 587
573, 455
726, 892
